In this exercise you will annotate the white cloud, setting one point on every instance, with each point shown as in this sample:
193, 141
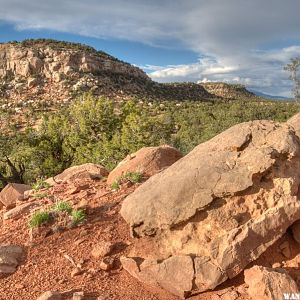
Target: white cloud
262, 71
230, 34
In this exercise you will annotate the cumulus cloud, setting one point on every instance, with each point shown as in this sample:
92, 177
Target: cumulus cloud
230, 36
260, 70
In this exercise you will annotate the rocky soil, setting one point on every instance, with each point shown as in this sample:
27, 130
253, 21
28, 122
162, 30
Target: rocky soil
45, 266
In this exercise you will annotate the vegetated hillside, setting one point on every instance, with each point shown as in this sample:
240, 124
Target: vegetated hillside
101, 131
52, 71
48, 72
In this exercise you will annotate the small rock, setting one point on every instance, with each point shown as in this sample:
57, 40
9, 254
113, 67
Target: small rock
107, 263
19, 286
84, 232
10, 256
49, 295
20, 210
63, 280
77, 189
80, 241
32, 82
102, 297
285, 249
78, 296
76, 272
11, 193
102, 249
231, 295
276, 265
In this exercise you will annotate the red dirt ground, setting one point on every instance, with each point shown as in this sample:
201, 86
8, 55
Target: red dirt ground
45, 267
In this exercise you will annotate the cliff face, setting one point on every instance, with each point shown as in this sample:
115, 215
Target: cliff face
50, 70
57, 64
56, 72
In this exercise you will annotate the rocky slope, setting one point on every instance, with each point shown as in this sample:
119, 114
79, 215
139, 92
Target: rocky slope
48, 71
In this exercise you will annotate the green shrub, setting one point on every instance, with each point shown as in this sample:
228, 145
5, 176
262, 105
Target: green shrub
115, 185
78, 216
40, 184
103, 131
134, 177
39, 218
63, 206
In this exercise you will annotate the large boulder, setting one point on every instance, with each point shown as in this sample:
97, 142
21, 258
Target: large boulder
269, 284
87, 170
215, 210
147, 161
11, 193
295, 123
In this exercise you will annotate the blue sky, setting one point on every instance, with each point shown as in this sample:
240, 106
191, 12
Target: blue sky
238, 41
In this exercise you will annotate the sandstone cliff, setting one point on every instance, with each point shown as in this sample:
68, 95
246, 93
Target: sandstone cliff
53, 71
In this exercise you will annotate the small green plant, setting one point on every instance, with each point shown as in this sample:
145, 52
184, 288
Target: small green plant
40, 195
39, 218
134, 177
115, 185
40, 184
78, 216
61, 206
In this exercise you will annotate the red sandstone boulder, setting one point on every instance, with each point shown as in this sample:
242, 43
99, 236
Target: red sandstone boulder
10, 257
215, 210
11, 193
147, 161
87, 170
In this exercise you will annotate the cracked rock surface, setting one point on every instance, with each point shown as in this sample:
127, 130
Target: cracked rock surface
202, 220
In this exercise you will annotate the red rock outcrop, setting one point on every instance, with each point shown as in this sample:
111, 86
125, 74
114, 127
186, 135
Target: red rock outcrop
217, 209
147, 161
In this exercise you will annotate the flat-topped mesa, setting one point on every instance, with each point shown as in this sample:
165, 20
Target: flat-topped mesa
228, 91
215, 210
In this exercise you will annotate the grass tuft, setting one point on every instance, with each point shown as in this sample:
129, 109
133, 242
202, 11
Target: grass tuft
78, 216
39, 218
63, 206
40, 184
134, 177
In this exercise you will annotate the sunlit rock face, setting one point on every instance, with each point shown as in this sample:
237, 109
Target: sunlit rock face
216, 209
